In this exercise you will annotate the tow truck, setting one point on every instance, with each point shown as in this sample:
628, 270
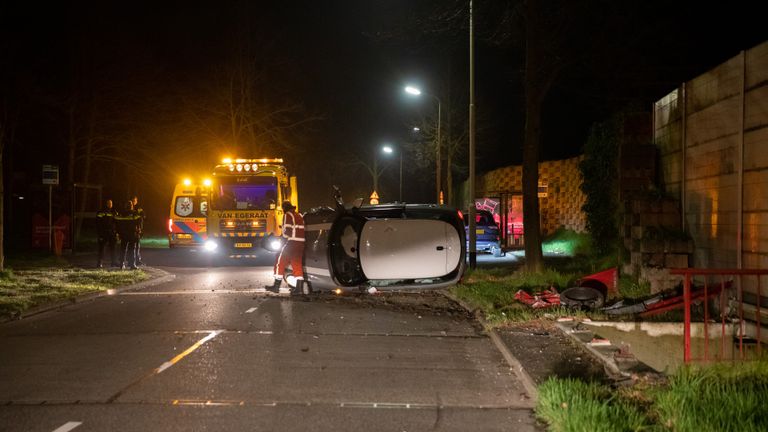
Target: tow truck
244, 212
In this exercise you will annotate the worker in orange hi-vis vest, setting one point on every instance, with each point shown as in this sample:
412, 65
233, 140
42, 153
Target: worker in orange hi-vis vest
292, 253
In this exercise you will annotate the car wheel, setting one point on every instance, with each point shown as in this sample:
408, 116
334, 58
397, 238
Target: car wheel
496, 251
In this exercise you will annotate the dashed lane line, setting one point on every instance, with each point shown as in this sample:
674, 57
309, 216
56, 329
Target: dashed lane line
68, 426
186, 352
211, 334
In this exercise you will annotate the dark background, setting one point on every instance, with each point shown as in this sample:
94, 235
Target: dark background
146, 75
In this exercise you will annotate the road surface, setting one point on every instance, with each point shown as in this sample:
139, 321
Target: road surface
207, 352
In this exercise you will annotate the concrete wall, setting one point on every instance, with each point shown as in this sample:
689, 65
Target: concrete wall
712, 135
561, 207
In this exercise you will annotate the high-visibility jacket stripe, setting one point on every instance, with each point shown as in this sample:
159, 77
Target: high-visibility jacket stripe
293, 226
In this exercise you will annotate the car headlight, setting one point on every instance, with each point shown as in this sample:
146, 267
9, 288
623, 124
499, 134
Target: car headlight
210, 246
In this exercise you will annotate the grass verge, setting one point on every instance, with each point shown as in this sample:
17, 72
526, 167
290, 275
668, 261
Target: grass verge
493, 292
725, 397
26, 288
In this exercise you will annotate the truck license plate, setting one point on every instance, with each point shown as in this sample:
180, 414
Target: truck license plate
243, 245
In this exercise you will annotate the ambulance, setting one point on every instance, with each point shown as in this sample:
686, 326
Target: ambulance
244, 213
187, 220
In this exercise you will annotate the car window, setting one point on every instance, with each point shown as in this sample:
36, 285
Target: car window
484, 219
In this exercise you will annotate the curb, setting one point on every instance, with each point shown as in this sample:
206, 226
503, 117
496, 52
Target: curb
157, 277
528, 384
608, 363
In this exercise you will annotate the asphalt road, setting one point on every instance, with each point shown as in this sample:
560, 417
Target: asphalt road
206, 352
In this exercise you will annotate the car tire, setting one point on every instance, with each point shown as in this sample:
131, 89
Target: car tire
496, 251
582, 297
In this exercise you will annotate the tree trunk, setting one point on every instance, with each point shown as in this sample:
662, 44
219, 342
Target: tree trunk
449, 178
2, 198
538, 78
534, 259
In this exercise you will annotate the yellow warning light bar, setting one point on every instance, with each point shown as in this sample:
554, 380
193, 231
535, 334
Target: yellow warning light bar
263, 160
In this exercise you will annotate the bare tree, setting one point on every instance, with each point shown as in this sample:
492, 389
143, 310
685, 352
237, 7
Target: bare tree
6, 137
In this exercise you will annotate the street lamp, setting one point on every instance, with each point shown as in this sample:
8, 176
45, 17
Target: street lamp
389, 150
415, 91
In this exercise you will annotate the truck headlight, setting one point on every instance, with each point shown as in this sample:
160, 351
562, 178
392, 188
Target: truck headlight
210, 246
275, 244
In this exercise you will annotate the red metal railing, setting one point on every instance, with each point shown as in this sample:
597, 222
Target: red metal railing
723, 287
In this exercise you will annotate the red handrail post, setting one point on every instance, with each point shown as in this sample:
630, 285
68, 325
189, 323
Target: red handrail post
687, 318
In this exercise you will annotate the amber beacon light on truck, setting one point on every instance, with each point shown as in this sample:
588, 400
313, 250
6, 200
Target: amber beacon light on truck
244, 212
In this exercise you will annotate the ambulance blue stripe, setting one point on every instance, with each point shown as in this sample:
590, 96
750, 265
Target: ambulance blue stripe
187, 229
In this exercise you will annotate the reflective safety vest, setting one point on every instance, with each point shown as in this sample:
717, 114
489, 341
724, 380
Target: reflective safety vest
293, 226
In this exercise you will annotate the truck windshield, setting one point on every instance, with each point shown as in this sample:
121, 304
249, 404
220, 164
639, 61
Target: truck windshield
245, 193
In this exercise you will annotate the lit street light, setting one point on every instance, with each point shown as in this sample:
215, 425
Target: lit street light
389, 150
417, 92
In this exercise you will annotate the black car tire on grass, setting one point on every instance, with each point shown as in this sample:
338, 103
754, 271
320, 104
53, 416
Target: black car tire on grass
582, 297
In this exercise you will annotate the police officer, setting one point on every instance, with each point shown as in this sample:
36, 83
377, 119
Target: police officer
127, 222
140, 212
107, 235
292, 253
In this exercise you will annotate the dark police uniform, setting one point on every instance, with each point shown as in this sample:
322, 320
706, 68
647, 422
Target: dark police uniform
107, 234
127, 222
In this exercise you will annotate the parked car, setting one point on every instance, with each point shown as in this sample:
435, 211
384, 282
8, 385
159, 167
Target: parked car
388, 246
487, 233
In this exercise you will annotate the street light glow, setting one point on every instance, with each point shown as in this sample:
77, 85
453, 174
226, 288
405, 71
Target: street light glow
412, 90
387, 149
416, 129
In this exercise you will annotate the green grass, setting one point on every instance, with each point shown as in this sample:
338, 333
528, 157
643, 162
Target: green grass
631, 288
155, 242
567, 243
493, 291
21, 289
723, 397
570, 405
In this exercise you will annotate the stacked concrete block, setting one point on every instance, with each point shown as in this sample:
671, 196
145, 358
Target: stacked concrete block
560, 206
652, 235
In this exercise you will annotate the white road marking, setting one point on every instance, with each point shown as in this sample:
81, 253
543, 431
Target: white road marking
186, 352
251, 310
191, 292
68, 426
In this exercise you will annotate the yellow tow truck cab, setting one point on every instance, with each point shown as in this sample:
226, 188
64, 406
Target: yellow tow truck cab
244, 204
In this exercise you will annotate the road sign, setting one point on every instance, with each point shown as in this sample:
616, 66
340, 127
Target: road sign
50, 174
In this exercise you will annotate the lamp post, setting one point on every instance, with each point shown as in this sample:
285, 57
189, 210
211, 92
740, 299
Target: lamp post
472, 208
389, 150
415, 91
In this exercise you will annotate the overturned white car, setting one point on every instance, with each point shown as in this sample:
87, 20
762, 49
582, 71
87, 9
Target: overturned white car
388, 246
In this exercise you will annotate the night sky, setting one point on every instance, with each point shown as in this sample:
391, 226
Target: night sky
143, 84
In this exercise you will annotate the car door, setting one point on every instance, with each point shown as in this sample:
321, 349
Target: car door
408, 248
